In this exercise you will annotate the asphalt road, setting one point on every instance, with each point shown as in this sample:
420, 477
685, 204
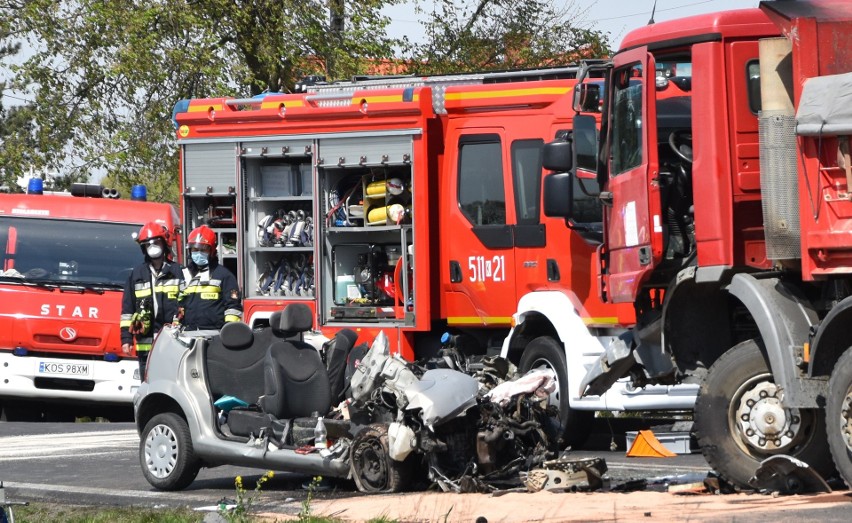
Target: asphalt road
97, 464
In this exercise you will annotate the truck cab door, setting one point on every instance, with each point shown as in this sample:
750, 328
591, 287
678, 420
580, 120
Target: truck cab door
633, 230
477, 241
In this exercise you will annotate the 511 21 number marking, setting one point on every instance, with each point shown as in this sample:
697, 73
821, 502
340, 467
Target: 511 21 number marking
487, 269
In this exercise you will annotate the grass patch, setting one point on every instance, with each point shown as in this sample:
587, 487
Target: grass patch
55, 513
41, 512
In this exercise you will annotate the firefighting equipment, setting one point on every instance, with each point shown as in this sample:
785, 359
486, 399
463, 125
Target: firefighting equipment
147, 235
140, 321
377, 188
286, 229
154, 251
395, 186
202, 236
200, 258
152, 230
393, 213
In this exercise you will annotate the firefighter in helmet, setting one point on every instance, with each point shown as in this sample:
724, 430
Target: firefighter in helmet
210, 296
150, 293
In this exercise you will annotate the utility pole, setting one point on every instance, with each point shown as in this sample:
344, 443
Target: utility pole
338, 10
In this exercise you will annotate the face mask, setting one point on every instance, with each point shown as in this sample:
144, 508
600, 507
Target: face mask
200, 258
154, 251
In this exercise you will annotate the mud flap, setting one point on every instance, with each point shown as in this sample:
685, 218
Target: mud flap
787, 475
614, 363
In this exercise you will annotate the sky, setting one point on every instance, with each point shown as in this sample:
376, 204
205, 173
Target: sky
616, 17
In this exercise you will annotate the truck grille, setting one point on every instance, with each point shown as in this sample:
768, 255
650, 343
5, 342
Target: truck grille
84, 342
64, 384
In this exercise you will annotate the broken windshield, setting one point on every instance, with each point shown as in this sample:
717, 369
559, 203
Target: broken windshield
67, 252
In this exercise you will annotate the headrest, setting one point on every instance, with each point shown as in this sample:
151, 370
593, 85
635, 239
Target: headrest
295, 318
275, 319
347, 336
236, 335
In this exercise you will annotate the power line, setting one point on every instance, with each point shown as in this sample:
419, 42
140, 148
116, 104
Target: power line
660, 11
13, 97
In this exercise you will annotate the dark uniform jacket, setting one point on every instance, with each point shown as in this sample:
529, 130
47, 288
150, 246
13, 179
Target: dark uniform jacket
210, 297
158, 294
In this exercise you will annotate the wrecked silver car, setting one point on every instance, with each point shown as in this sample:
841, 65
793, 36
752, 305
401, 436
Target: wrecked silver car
253, 398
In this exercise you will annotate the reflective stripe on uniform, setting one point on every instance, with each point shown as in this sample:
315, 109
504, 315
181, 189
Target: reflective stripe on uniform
143, 347
199, 289
231, 318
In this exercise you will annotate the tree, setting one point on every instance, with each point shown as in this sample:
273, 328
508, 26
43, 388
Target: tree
503, 34
16, 131
104, 76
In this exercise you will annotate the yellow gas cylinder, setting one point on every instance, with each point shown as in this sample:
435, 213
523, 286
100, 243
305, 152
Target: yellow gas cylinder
376, 188
377, 215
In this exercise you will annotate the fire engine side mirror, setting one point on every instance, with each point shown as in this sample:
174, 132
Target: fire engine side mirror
558, 195
585, 136
587, 98
558, 155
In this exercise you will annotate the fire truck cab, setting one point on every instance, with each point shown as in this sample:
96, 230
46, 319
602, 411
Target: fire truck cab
65, 260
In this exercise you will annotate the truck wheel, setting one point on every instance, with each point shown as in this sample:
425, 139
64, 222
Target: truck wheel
575, 425
839, 415
739, 420
166, 454
371, 465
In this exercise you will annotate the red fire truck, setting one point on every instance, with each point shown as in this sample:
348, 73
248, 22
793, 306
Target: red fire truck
66, 257
726, 183
410, 206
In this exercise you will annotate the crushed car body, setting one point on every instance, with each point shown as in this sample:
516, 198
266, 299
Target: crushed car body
253, 397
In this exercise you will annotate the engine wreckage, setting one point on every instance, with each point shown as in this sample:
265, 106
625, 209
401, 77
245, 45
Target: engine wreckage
471, 433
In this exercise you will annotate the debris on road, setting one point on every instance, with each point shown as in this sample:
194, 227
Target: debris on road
787, 475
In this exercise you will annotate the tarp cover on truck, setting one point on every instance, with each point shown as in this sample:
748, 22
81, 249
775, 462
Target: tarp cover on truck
826, 106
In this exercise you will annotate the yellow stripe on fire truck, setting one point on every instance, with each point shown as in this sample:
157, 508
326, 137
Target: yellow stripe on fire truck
505, 93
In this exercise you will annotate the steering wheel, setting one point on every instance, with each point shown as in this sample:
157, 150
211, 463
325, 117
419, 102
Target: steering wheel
680, 142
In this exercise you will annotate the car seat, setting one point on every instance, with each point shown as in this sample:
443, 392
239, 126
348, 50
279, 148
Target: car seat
235, 363
295, 380
336, 352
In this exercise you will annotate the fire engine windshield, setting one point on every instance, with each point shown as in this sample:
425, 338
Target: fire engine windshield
48, 251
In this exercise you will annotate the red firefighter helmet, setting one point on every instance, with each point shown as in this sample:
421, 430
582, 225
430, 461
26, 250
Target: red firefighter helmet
151, 231
202, 236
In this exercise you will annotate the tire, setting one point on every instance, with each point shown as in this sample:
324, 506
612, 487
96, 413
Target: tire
371, 465
575, 425
739, 421
838, 420
166, 454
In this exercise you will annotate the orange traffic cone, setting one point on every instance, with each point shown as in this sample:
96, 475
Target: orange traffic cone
646, 445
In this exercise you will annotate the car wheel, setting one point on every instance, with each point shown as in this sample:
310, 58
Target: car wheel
166, 453
839, 416
575, 425
371, 465
739, 419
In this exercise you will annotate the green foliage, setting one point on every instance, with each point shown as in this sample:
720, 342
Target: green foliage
242, 512
103, 77
41, 512
305, 513
504, 34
